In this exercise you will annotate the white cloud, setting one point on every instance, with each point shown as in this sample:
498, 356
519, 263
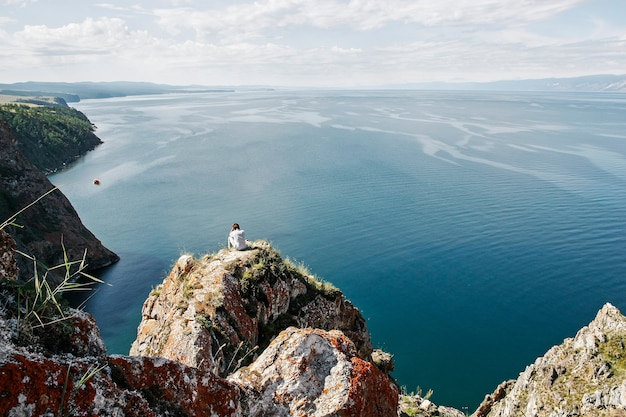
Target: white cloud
20, 3
254, 18
327, 42
98, 34
4, 20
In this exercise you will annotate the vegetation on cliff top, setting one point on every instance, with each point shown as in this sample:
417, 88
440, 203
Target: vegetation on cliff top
50, 136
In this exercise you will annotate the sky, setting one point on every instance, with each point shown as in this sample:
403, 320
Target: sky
316, 43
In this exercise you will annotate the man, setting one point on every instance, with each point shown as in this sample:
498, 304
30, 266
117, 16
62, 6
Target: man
237, 238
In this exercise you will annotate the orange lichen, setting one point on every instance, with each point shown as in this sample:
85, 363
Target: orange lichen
372, 393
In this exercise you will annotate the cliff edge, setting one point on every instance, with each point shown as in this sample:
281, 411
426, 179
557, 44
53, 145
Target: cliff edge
218, 306
212, 312
584, 376
293, 344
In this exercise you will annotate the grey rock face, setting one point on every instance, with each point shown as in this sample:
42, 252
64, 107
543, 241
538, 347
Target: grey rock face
584, 376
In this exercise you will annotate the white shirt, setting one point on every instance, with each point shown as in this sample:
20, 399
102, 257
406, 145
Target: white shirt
237, 239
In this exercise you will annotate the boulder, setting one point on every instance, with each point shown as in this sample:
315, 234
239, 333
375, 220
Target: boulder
316, 373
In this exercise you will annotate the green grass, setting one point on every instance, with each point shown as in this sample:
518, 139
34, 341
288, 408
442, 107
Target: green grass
313, 281
40, 304
613, 350
409, 402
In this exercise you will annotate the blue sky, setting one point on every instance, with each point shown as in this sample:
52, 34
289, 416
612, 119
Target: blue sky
331, 43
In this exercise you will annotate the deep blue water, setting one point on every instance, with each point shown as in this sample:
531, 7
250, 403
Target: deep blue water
474, 230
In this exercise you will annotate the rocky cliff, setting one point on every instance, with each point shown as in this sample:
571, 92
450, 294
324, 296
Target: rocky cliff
293, 344
215, 303
584, 376
250, 334
211, 312
47, 225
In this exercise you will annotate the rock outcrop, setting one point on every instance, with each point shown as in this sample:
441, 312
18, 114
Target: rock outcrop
48, 225
584, 376
36, 383
231, 335
65, 370
307, 372
214, 313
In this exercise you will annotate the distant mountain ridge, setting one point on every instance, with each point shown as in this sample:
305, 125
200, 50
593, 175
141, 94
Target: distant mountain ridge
74, 92
589, 83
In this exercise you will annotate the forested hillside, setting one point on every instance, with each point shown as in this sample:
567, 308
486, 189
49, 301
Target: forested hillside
50, 230
50, 137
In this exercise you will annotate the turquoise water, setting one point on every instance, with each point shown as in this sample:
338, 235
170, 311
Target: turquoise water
474, 230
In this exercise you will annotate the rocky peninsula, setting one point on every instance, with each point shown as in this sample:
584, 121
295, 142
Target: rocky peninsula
584, 376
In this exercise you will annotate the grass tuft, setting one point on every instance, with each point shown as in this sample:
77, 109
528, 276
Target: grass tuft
36, 302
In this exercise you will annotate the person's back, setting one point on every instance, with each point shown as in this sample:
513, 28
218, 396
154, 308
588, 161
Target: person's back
237, 238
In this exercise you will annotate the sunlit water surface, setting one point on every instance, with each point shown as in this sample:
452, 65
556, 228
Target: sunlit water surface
474, 230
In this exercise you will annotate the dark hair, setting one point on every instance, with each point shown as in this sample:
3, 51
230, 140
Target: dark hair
235, 226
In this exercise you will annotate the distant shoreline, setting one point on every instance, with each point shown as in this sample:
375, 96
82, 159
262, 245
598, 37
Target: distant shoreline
30, 100
76, 91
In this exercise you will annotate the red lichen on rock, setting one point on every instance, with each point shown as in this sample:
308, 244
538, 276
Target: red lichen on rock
117, 385
44, 386
191, 390
372, 393
246, 326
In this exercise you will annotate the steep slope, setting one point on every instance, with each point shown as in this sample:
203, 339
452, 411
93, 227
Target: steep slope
48, 225
584, 376
50, 136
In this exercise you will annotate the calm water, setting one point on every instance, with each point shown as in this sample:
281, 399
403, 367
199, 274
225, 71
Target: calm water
474, 230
